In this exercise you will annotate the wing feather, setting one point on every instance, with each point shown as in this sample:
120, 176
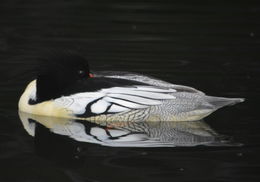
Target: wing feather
135, 99
115, 99
125, 103
139, 91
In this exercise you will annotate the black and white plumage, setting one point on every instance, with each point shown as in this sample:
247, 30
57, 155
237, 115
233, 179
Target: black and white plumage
66, 88
129, 134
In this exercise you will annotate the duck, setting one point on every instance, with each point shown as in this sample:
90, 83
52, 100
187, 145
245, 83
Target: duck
64, 87
128, 134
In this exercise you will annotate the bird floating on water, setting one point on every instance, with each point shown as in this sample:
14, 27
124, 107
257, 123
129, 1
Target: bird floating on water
65, 87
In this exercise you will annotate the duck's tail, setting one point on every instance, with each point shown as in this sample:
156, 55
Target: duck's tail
219, 102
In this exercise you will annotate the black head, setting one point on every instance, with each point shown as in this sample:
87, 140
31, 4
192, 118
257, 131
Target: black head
59, 73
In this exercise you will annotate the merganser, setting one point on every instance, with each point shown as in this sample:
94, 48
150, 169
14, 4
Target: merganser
129, 134
64, 87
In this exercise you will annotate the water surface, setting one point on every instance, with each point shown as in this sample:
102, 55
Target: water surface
212, 46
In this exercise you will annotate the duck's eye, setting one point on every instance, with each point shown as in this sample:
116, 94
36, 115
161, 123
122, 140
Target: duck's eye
81, 73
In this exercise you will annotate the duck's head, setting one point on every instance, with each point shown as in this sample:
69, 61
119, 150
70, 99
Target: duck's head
58, 73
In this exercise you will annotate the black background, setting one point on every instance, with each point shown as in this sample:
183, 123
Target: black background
210, 45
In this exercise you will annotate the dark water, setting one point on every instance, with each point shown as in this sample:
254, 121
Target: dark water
210, 45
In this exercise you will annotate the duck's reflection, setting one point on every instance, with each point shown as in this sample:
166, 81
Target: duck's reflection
128, 134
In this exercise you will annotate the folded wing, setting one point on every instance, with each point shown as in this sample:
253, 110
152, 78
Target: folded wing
115, 100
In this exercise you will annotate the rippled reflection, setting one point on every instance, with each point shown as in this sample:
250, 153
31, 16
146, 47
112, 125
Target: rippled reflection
129, 134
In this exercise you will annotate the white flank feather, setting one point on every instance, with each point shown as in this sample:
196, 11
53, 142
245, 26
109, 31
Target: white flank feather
99, 107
